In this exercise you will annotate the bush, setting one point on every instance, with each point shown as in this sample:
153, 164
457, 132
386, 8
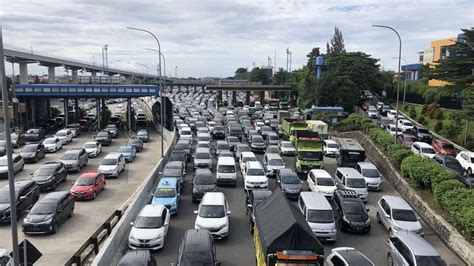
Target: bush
444, 186
398, 155
438, 126
406, 107
412, 113
354, 122
421, 119
458, 204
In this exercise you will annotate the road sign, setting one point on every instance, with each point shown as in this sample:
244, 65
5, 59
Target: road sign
32, 253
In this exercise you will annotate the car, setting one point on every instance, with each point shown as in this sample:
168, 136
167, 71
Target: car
318, 213
84, 124
143, 135
349, 178
5, 258
49, 175
253, 199
213, 215
239, 148
88, 185
167, 193
75, 129
320, 180
150, 229
289, 183
254, 176
218, 132
233, 142
137, 143
74, 159
202, 158
137, 257
422, 134
272, 163
32, 153
272, 149
112, 129
351, 212
112, 165
392, 128
18, 165
406, 139
371, 174
408, 248
395, 214
48, 213
373, 114
197, 248
104, 138
65, 135
52, 144
453, 165
3, 147
222, 145
185, 146
423, 149
444, 147
466, 159
171, 164
272, 139
203, 181
330, 148
93, 148
179, 156
34, 134
226, 171
257, 144
128, 151
244, 158
286, 148
27, 194
405, 124
18, 140
347, 256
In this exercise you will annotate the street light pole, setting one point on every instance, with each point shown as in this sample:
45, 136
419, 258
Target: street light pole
404, 80
9, 151
161, 94
164, 63
398, 80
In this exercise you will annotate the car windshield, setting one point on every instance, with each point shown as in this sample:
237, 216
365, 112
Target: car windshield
102, 134
203, 155
90, 145
273, 137
49, 141
257, 140
45, 170
255, 171
165, 192
276, 162
325, 182
428, 151
61, 133
353, 156
125, 149
226, 169
454, 165
108, 161
320, 216
113, 127
370, 173
353, 207
43, 208
404, 215
272, 150
287, 145
423, 131
183, 132
332, 145
222, 146
142, 133
243, 148
29, 148
310, 156
144, 222
69, 156
181, 146
82, 181
204, 180
429, 261
290, 179
356, 182
249, 159
211, 211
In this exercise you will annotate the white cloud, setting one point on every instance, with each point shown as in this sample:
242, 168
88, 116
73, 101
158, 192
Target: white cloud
214, 37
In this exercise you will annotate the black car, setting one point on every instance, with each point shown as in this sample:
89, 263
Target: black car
18, 140
177, 155
48, 213
422, 134
203, 181
32, 153
112, 129
140, 257
26, 194
49, 175
104, 138
197, 248
137, 143
454, 166
352, 214
34, 134
218, 132
174, 173
184, 146
253, 199
3, 148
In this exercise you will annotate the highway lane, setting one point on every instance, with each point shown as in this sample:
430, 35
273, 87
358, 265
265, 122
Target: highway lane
238, 249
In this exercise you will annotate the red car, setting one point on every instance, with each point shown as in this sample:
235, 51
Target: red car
443, 147
88, 185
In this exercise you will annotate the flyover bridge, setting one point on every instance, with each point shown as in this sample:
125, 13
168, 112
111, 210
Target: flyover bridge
276, 90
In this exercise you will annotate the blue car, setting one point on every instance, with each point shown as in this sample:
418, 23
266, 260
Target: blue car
167, 193
128, 151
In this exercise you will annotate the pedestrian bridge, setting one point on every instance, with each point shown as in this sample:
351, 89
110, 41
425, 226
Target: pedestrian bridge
85, 91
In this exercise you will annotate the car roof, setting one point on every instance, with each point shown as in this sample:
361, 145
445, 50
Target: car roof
273, 156
315, 200
54, 196
74, 151
197, 240
133, 257
468, 153
367, 165
152, 210
397, 202
321, 173
213, 198
203, 150
330, 141
112, 155
285, 141
418, 245
248, 154
89, 175
349, 172
422, 144
254, 164
352, 256
167, 182
286, 171
226, 160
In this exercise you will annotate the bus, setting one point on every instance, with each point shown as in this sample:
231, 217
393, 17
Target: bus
350, 152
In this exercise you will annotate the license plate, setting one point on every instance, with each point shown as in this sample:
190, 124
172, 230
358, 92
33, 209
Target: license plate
143, 245
256, 186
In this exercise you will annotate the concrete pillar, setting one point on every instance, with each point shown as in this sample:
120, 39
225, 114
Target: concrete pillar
23, 73
33, 111
247, 98
48, 108
129, 110
219, 97
51, 75
75, 77
262, 96
234, 97
97, 111
66, 112
77, 110
203, 89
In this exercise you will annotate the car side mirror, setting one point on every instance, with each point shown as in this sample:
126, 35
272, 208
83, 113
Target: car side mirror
387, 216
367, 210
195, 212
132, 223
249, 205
32, 173
229, 212
23, 197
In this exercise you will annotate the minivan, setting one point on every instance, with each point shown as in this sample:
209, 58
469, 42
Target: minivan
246, 156
349, 178
167, 193
318, 213
254, 176
213, 215
226, 171
408, 248
371, 175
395, 214
320, 180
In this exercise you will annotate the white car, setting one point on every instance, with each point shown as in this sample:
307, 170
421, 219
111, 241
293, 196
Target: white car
286, 148
254, 176
466, 159
273, 163
213, 215
405, 124
423, 149
246, 156
93, 148
150, 228
320, 180
391, 114
65, 135
373, 114
371, 175
258, 126
397, 215
52, 144
185, 133
112, 165
330, 148
391, 128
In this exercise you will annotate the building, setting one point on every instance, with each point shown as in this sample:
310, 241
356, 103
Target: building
412, 71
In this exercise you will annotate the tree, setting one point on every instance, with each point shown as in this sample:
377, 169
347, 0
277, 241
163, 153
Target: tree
240, 70
337, 42
338, 90
37, 80
279, 77
312, 57
258, 75
468, 108
304, 82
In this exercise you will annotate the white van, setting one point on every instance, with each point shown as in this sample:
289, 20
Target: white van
226, 171
320, 180
318, 213
349, 178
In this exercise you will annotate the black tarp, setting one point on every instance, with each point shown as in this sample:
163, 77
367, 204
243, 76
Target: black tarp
281, 226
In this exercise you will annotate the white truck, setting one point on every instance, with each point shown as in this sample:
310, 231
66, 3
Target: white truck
318, 126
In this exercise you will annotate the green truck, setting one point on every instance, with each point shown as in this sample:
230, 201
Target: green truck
289, 126
309, 151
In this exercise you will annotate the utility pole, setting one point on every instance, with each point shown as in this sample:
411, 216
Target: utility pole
275, 60
291, 53
287, 57
176, 71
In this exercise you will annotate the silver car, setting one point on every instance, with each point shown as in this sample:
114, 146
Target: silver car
75, 159
396, 215
202, 158
371, 175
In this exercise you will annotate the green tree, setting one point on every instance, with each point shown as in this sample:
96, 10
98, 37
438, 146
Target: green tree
337, 42
241, 70
279, 77
468, 108
258, 75
312, 57
304, 82
338, 90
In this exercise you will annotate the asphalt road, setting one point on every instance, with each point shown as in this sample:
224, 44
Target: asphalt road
238, 248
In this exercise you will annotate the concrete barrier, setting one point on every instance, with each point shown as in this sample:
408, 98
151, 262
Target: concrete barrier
445, 230
117, 243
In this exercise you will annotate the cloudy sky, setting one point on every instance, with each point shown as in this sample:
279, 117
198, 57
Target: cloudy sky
214, 37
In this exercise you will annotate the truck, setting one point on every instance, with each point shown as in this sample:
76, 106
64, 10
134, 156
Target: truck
289, 126
282, 236
282, 114
318, 126
309, 151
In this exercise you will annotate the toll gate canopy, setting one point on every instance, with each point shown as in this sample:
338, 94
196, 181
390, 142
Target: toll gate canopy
85, 91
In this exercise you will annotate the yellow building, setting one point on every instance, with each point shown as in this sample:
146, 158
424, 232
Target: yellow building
436, 52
